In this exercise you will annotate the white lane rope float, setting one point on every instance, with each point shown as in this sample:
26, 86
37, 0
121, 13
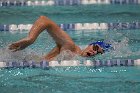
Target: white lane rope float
6, 3
96, 63
76, 26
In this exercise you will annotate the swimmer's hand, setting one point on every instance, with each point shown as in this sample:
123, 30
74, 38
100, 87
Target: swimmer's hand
20, 45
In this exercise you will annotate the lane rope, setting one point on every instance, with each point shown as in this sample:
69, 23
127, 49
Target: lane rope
65, 63
64, 2
76, 26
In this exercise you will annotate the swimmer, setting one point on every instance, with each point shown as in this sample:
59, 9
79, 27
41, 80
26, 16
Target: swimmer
62, 39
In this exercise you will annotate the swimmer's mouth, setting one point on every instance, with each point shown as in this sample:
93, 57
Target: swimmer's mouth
89, 54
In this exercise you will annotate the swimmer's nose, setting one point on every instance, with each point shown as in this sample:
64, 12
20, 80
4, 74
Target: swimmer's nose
91, 53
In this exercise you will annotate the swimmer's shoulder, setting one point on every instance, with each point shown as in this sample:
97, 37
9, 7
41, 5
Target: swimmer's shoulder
77, 49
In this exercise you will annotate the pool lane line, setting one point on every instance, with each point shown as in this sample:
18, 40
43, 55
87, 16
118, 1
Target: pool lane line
76, 26
95, 63
64, 2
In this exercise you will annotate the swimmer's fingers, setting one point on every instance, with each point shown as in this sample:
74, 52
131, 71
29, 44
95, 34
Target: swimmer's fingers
14, 47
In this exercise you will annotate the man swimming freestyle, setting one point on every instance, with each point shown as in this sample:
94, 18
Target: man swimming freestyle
62, 39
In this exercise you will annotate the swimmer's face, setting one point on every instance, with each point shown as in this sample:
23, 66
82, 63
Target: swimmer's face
92, 50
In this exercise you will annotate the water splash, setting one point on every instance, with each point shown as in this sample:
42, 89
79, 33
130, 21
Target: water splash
8, 56
121, 49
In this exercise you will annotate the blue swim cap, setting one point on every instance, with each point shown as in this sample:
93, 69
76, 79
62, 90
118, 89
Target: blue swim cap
102, 44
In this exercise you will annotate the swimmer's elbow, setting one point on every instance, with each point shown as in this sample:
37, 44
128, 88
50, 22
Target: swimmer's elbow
49, 23
44, 18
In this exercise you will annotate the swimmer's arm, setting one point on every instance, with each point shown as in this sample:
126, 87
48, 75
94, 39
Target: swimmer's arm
60, 37
37, 28
40, 25
53, 53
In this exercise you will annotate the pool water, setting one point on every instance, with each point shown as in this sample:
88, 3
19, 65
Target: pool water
71, 80
126, 45
71, 14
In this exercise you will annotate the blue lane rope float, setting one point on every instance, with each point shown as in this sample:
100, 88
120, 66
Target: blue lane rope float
95, 63
76, 26
64, 2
